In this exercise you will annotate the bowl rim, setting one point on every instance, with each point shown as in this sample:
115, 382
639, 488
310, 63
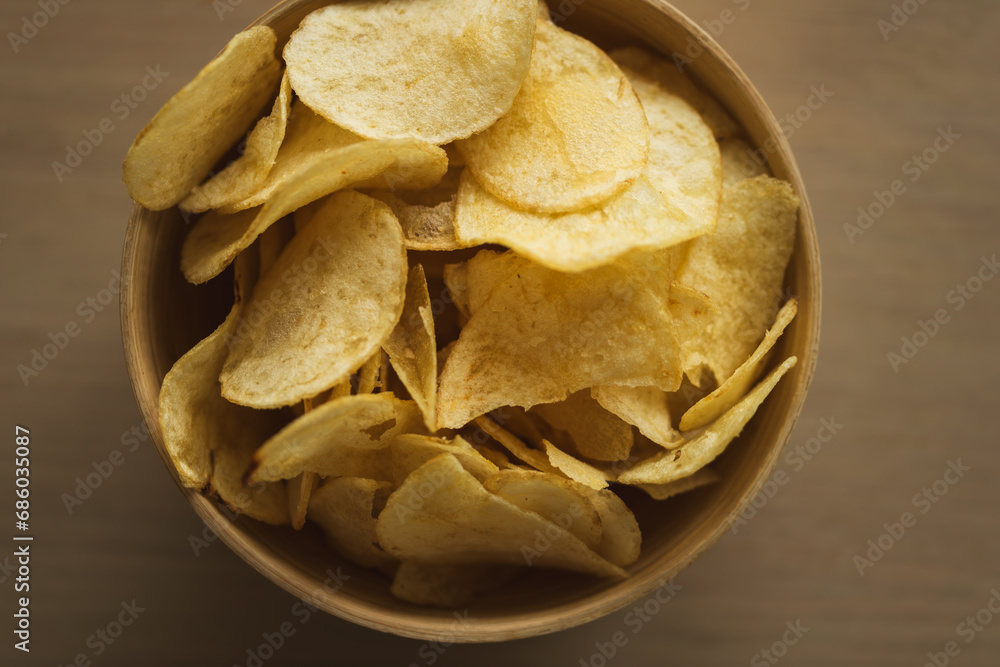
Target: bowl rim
262, 557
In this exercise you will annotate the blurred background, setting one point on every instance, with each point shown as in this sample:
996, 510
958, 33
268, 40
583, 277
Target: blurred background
901, 416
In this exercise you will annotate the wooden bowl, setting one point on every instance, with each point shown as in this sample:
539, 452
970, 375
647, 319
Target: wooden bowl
162, 317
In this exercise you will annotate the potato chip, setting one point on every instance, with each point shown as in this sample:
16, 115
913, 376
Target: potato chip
696, 480
442, 515
216, 239
514, 444
741, 269
247, 172
621, 539
698, 452
685, 165
611, 322
185, 139
637, 218
411, 346
596, 432
575, 135
448, 585
733, 389
574, 468
740, 162
314, 442
368, 374
425, 69
310, 322
642, 407
272, 242
673, 79
456, 282
552, 497
299, 490
424, 227
345, 508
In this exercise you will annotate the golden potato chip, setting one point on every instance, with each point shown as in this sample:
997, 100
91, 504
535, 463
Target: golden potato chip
685, 165
637, 218
514, 444
448, 585
740, 162
246, 173
741, 269
696, 480
185, 139
654, 67
575, 135
411, 346
621, 539
311, 322
425, 227
425, 69
442, 515
612, 322
299, 490
552, 497
642, 407
368, 374
456, 282
596, 432
315, 442
574, 468
409, 451
345, 508
733, 389
698, 452
230, 461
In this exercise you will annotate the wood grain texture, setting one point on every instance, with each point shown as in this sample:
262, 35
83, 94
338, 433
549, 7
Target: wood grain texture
136, 537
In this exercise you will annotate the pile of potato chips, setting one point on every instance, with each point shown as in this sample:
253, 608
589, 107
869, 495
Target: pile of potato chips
483, 272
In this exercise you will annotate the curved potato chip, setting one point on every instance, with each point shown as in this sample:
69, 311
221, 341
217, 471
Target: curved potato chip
575, 135
611, 321
315, 442
425, 69
185, 139
670, 76
442, 515
411, 347
310, 322
552, 497
741, 268
514, 444
637, 218
621, 538
733, 389
425, 227
740, 161
299, 490
698, 452
448, 585
643, 407
696, 480
685, 164
245, 174
345, 508
368, 374
216, 239
596, 432
574, 468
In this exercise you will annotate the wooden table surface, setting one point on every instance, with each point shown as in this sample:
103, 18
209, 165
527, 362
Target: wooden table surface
898, 431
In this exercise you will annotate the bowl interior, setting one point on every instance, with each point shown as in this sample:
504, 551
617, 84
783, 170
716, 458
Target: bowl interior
163, 316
